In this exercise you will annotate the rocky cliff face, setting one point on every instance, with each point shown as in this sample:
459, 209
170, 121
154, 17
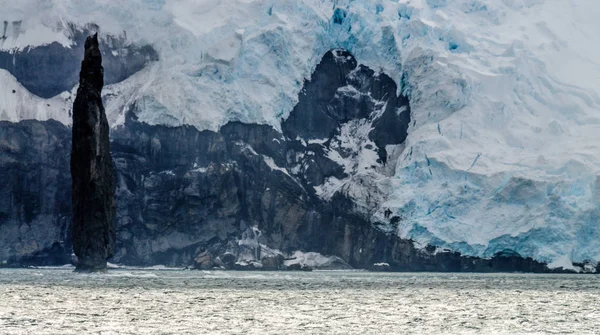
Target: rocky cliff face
246, 196
35, 197
183, 192
93, 184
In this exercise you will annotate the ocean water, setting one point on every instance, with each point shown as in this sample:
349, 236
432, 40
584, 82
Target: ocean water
58, 301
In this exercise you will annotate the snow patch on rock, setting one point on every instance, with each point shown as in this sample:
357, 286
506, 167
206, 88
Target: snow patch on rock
315, 260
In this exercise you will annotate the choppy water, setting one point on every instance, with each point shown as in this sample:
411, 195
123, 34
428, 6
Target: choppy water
187, 302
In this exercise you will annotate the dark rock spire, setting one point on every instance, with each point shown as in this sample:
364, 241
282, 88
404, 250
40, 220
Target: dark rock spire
91, 168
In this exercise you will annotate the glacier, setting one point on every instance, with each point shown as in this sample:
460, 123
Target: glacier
504, 146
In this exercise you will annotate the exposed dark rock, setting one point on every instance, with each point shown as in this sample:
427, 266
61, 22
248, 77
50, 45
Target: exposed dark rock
272, 263
341, 90
91, 168
204, 261
33, 153
35, 205
228, 260
218, 263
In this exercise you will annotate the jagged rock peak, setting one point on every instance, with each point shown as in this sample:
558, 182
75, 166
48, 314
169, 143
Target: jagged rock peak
92, 72
91, 168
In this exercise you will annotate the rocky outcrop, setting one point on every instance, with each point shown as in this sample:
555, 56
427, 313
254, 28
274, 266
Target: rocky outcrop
341, 90
204, 261
35, 200
245, 197
93, 184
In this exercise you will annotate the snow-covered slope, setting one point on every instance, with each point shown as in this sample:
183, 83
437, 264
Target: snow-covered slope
17, 103
504, 149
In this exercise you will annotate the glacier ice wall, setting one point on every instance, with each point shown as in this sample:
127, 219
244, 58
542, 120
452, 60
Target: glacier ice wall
503, 152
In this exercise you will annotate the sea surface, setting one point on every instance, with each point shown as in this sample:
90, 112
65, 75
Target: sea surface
128, 301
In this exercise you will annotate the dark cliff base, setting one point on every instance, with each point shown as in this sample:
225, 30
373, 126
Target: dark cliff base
235, 197
171, 217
